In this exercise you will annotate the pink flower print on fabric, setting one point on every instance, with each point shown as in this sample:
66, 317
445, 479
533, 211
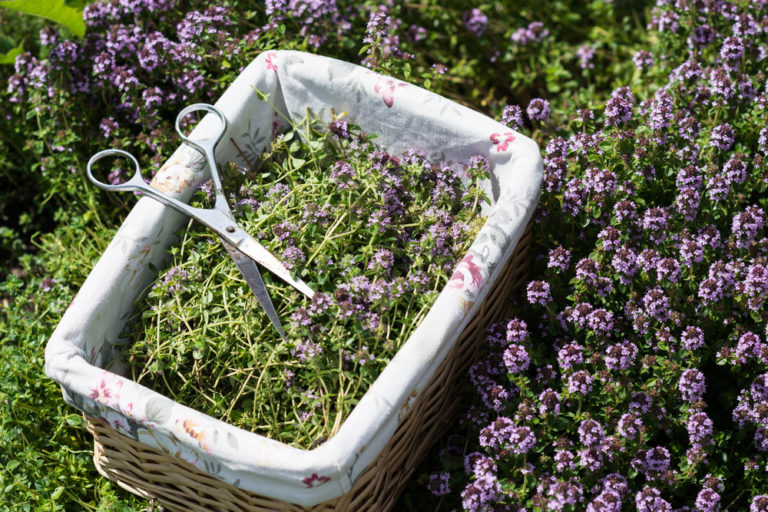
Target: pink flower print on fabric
271, 65
310, 480
467, 275
502, 140
386, 87
107, 392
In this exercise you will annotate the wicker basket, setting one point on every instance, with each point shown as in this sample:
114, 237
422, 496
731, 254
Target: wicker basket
144, 440
180, 486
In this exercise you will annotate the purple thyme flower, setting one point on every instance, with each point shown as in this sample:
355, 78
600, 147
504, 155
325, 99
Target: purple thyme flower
538, 109
560, 495
610, 238
692, 337
478, 464
720, 83
699, 428
692, 385
655, 223
564, 460
342, 174
643, 60
382, 261
276, 8
591, 458
656, 304
688, 177
735, 169
691, 252
669, 269
587, 270
600, 181
756, 284
667, 21
600, 321
291, 256
762, 141
549, 402
708, 500
559, 258
570, 355
378, 27
703, 35
591, 433
516, 359
759, 503
517, 331
732, 52
574, 197
616, 483
722, 137
650, 500
761, 439
625, 263
521, 440
689, 72
586, 53
580, 382
630, 426
306, 350
749, 347
648, 259
534, 32
618, 109
687, 203
438, 483
709, 236
619, 357
745, 226
606, 501
496, 435
339, 127
512, 116
538, 293
476, 22
481, 494
625, 210
579, 314
662, 110
108, 125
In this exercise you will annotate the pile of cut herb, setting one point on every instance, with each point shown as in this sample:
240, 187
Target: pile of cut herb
375, 236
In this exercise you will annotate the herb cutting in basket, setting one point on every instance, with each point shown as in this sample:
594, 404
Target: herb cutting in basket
370, 241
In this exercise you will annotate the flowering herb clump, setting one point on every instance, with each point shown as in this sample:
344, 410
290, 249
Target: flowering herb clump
636, 374
375, 236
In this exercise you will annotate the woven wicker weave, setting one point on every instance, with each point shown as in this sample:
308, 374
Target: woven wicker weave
179, 486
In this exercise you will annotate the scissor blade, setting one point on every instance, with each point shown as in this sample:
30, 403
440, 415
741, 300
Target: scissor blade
252, 276
260, 254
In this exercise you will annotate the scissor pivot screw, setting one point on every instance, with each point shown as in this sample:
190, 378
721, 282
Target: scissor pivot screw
230, 229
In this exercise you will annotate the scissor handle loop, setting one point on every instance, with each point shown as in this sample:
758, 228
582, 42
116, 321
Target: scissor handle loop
205, 145
135, 183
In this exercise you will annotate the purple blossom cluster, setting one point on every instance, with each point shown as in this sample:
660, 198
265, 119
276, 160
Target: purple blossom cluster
645, 315
124, 57
535, 32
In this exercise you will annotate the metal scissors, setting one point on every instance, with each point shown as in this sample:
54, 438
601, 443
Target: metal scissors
244, 250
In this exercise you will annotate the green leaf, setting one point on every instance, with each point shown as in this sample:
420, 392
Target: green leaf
54, 10
8, 50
